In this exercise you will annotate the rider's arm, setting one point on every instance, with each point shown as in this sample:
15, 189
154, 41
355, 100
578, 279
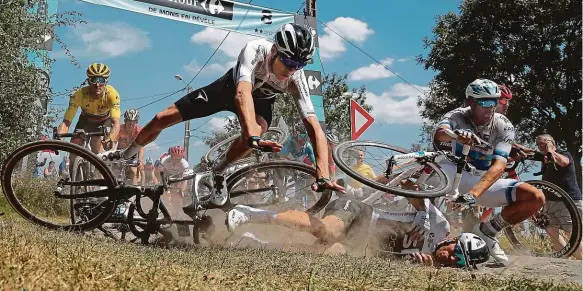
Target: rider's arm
488, 179
243, 73
320, 146
500, 155
561, 160
300, 93
69, 114
115, 113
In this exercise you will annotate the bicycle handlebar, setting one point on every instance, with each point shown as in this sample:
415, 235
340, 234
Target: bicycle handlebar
79, 133
480, 143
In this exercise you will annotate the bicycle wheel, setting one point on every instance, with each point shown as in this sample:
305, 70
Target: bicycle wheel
273, 133
280, 185
559, 216
374, 158
34, 197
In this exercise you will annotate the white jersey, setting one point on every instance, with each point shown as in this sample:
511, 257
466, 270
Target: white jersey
254, 66
394, 222
172, 168
499, 132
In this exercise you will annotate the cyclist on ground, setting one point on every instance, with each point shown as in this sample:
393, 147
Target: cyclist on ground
175, 166
480, 121
359, 229
248, 90
99, 104
149, 173
128, 132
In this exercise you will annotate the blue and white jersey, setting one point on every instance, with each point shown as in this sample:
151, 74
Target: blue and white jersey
499, 133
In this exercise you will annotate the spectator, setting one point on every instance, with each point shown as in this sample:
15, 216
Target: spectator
50, 171
64, 167
356, 188
38, 171
559, 169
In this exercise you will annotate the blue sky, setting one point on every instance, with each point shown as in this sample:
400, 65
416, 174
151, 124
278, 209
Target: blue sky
145, 53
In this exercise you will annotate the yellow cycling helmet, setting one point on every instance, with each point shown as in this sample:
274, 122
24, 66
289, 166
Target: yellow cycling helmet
98, 70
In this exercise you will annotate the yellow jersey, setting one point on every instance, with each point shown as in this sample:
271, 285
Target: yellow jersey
364, 170
98, 108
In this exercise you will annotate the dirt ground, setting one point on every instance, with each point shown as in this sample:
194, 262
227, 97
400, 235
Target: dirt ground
270, 236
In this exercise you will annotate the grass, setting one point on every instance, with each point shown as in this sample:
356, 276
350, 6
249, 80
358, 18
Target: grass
34, 258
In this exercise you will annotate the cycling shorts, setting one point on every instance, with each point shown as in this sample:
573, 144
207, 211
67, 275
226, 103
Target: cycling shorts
219, 96
501, 193
91, 126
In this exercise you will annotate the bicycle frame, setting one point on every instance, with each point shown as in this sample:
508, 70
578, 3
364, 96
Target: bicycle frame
461, 165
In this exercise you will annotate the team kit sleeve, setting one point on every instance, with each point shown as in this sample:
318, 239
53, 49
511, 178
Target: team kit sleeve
448, 121
301, 95
504, 145
246, 63
73, 105
114, 103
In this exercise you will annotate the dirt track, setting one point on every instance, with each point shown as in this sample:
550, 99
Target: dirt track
557, 270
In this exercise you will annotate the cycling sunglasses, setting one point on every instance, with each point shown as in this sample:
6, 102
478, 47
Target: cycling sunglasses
97, 80
291, 64
487, 103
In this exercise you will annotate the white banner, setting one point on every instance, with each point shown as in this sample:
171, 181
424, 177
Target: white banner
234, 16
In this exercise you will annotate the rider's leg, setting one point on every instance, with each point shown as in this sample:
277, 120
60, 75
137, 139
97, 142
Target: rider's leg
338, 217
201, 102
560, 216
134, 175
96, 146
520, 201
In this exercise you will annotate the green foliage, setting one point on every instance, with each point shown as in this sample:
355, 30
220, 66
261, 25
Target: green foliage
532, 46
21, 85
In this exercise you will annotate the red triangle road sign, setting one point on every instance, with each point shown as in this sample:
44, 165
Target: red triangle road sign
360, 120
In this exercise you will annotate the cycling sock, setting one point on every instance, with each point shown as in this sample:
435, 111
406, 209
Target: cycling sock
494, 225
260, 215
132, 150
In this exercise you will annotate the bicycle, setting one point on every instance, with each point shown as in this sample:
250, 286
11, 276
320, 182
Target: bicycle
432, 183
103, 186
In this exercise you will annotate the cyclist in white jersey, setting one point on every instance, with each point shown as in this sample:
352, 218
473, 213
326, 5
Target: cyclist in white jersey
351, 226
485, 188
175, 166
263, 70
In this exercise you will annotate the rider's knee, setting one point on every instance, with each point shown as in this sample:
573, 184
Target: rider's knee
165, 118
527, 192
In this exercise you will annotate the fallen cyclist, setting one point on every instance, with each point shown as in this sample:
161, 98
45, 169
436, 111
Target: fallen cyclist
351, 226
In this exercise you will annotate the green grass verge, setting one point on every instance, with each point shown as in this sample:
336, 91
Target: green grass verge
35, 258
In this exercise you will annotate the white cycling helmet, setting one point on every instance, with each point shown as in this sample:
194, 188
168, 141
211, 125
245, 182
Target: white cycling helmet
483, 88
473, 249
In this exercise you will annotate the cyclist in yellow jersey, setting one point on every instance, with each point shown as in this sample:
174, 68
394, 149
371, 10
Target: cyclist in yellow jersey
100, 106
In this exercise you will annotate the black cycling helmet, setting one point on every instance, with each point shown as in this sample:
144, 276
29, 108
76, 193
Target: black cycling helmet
295, 42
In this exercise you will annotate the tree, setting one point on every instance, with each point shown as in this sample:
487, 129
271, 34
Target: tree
21, 83
534, 47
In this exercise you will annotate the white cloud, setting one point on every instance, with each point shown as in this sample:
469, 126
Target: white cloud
372, 71
400, 60
332, 45
107, 40
198, 143
193, 67
231, 47
398, 105
218, 123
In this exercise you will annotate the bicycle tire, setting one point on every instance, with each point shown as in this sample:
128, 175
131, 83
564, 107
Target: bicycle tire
439, 191
55, 145
212, 150
76, 164
574, 240
234, 178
